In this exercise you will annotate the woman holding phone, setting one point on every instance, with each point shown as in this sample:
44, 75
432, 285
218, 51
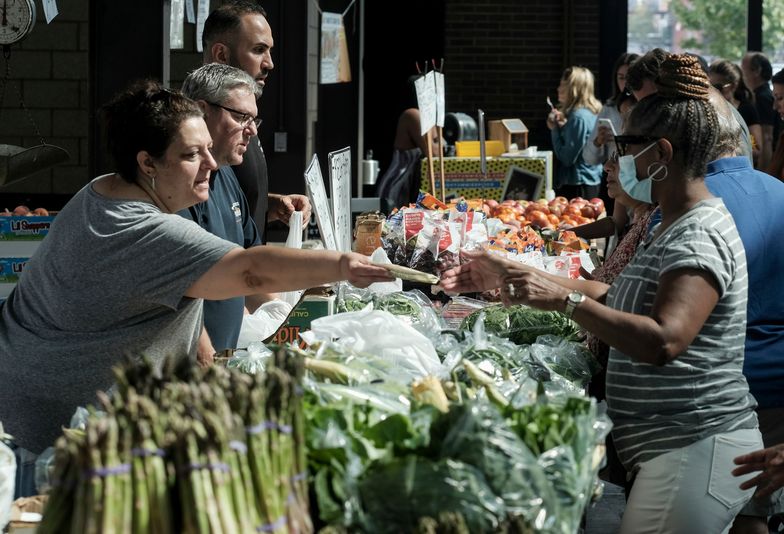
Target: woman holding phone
571, 124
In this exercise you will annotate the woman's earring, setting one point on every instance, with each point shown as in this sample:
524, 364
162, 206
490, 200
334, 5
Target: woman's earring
152, 180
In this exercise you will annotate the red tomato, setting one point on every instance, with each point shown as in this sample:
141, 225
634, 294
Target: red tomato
588, 211
598, 205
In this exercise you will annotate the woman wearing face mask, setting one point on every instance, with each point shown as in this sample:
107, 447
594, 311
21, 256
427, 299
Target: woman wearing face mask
674, 319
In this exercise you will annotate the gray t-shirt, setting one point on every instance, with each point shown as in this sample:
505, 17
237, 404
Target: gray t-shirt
107, 282
656, 409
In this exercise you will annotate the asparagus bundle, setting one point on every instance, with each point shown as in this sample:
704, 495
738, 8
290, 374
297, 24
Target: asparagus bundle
187, 451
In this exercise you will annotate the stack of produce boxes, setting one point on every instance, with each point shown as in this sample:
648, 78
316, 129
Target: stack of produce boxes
20, 236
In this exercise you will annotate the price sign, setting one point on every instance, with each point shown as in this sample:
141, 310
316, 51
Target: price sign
340, 187
440, 99
314, 183
426, 101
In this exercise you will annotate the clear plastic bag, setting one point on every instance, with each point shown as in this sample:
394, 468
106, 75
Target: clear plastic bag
250, 361
380, 333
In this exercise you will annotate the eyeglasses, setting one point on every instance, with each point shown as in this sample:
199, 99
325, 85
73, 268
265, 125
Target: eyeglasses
720, 86
622, 142
244, 119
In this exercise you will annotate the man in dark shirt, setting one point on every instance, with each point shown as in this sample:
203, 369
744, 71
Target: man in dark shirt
227, 96
238, 34
757, 73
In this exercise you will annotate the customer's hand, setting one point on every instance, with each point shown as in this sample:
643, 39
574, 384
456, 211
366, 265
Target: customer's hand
533, 289
770, 461
358, 270
556, 119
482, 272
604, 136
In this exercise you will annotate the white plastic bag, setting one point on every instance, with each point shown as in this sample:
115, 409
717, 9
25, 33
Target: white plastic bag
264, 322
381, 333
384, 288
294, 240
7, 480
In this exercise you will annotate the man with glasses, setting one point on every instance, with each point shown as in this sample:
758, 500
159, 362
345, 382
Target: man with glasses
238, 34
227, 96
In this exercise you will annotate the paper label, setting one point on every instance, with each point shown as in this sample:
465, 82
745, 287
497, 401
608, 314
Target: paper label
50, 10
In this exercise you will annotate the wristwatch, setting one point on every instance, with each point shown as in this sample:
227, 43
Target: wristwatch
572, 300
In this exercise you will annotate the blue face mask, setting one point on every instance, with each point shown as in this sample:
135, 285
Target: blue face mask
627, 176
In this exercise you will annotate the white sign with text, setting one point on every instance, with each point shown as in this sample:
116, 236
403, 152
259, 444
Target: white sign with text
340, 187
317, 193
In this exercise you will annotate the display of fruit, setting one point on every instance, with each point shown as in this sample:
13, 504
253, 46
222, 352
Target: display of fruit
559, 213
23, 211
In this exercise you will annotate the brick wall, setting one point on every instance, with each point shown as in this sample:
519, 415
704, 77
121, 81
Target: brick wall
505, 56
50, 69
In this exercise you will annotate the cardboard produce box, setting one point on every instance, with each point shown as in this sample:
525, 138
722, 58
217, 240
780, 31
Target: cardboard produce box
314, 303
26, 514
25, 227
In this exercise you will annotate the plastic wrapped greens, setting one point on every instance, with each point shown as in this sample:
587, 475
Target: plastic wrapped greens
413, 307
477, 434
522, 324
424, 488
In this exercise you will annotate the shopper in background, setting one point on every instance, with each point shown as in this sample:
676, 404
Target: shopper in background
238, 34
600, 143
675, 318
727, 78
770, 462
776, 166
754, 200
642, 73
120, 274
571, 124
757, 72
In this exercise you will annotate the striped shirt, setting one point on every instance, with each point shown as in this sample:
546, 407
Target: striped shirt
656, 409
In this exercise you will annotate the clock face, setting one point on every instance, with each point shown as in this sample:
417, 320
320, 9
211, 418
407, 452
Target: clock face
16, 20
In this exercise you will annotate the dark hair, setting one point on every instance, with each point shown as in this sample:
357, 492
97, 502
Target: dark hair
761, 63
144, 117
680, 112
778, 77
617, 94
644, 68
225, 19
731, 74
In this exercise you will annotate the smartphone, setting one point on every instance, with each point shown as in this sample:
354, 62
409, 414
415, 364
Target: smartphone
607, 122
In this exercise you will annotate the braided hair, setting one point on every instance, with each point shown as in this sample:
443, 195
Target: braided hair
681, 113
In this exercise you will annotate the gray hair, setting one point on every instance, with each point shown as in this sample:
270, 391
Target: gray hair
730, 133
213, 83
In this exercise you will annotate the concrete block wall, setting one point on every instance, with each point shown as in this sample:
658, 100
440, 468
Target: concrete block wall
50, 70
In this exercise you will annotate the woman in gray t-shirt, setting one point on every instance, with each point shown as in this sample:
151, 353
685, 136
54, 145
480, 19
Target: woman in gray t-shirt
675, 318
120, 274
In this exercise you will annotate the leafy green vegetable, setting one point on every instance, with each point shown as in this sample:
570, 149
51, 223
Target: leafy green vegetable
522, 324
423, 487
